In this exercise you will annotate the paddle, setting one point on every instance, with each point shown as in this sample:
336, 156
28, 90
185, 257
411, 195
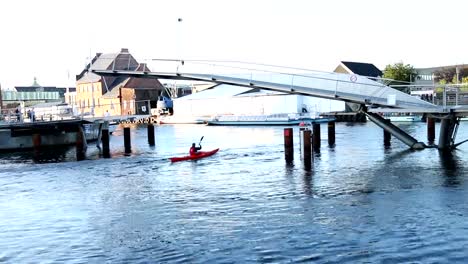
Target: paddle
200, 140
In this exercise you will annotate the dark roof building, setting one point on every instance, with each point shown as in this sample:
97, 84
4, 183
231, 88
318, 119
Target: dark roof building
360, 68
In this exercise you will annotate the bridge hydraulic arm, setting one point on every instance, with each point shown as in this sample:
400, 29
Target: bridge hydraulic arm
395, 131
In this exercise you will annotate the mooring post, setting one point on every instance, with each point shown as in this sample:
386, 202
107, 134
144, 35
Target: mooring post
306, 149
127, 142
331, 133
151, 134
105, 142
387, 137
81, 143
36, 142
430, 129
288, 145
300, 138
316, 137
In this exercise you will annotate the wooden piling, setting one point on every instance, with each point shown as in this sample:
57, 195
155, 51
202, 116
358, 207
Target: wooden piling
307, 149
127, 141
288, 145
36, 142
81, 143
105, 143
331, 133
151, 134
316, 137
387, 137
430, 129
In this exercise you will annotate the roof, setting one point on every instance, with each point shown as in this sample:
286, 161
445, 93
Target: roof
364, 69
119, 61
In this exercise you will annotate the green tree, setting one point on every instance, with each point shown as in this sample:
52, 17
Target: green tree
401, 73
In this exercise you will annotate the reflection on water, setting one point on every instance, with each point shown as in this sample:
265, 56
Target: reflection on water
359, 202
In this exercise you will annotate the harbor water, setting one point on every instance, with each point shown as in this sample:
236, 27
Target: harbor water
360, 203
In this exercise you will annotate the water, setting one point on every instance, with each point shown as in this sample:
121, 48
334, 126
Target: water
360, 203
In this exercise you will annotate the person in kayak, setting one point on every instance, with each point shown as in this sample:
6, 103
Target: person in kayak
194, 149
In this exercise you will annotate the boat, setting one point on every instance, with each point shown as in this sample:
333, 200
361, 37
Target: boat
173, 119
199, 155
403, 118
271, 120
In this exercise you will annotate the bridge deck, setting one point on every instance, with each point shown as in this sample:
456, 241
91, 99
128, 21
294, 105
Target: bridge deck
345, 87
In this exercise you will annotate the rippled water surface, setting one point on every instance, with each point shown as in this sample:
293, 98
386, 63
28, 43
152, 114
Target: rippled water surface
359, 203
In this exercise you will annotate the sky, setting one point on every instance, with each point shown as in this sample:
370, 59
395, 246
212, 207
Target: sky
53, 40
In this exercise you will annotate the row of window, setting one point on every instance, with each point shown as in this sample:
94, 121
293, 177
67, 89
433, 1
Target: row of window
87, 88
92, 103
425, 77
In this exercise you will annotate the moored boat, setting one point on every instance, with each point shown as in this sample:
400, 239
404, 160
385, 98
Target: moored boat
270, 120
180, 120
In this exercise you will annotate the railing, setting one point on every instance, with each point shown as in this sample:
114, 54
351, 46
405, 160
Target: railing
66, 112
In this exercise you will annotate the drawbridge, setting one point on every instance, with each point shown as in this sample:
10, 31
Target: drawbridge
373, 95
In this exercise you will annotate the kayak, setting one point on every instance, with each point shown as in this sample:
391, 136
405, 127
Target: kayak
199, 155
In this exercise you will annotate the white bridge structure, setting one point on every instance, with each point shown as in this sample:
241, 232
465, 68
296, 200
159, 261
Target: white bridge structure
373, 95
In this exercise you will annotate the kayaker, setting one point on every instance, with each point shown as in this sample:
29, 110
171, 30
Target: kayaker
194, 149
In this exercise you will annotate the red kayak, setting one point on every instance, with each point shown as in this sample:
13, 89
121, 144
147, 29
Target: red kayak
199, 155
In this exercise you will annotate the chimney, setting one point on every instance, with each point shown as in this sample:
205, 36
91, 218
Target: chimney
124, 50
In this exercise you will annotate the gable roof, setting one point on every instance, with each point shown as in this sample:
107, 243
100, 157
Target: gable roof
361, 68
119, 61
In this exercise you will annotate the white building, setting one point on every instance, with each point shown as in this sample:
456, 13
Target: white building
226, 99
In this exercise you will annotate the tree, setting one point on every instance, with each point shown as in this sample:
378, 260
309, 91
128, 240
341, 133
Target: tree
400, 72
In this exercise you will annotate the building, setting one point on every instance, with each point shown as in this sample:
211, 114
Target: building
426, 81
96, 95
224, 99
359, 68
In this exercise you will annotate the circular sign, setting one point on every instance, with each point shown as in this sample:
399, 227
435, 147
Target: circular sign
353, 78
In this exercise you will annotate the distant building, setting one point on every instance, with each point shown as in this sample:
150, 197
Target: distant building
36, 87
360, 68
224, 99
427, 79
117, 95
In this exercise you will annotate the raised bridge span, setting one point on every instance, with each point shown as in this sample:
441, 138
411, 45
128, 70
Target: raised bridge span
372, 94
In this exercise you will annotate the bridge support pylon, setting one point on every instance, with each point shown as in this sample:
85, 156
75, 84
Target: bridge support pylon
448, 131
395, 131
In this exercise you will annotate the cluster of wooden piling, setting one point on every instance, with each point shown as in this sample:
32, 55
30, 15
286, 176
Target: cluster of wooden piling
127, 140
310, 140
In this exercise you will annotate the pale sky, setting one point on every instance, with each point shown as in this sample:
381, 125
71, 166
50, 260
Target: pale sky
47, 39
